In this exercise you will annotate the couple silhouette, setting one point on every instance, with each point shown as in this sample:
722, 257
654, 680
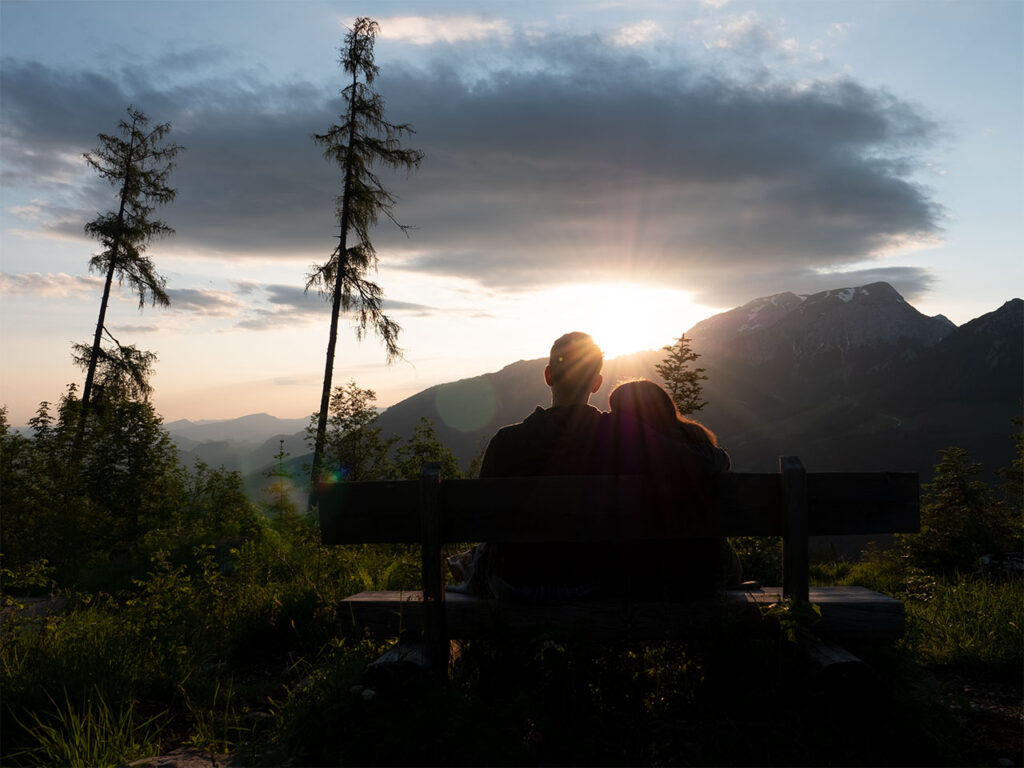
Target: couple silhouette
642, 434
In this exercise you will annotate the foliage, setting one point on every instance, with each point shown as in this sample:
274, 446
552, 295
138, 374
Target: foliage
122, 497
968, 621
363, 140
552, 698
93, 733
760, 557
138, 164
47, 513
682, 382
961, 519
225, 637
280, 506
120, 373
353, 446
957, 619
216, 726
425, 446
1013, 475
188, 629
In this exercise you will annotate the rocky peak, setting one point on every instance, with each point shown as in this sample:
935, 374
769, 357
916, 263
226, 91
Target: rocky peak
752, 316
820, 339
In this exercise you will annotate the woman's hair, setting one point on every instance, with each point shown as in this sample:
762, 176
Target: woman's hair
647, 402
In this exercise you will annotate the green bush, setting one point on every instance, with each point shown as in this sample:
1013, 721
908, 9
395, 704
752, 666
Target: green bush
760, 557
961, 519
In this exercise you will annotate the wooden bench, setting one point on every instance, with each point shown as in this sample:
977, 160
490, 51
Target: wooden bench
793, 504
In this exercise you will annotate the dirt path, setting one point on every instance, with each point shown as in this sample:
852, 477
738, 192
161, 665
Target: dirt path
993, 713
186, 757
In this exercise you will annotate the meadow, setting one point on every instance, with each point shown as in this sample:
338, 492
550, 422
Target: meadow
216, 627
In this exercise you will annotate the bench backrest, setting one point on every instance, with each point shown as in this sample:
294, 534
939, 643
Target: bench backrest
793, 504
600, 508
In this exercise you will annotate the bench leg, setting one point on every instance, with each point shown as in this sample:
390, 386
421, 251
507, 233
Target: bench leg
795, 580
435, 634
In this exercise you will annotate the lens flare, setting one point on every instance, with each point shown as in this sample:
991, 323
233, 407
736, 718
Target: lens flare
467, 405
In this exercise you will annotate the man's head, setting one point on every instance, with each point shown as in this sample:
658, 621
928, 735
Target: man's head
574, 370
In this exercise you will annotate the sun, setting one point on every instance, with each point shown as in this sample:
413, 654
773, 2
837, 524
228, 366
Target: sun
624, 317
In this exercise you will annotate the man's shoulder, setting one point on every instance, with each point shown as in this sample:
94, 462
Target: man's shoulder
511, 430
549, 441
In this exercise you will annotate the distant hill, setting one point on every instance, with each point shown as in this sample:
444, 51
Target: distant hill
255, 428
247, 444
852, 379
849, 379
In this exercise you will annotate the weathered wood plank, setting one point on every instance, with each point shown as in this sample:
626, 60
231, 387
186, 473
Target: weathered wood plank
606, 508
609, 508
370, 513
850, 613
842, 503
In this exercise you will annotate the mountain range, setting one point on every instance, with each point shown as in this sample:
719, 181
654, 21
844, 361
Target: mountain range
854, 379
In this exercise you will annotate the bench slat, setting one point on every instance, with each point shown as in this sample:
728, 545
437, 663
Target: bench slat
607, 508
848, 613
842, 503
370, 513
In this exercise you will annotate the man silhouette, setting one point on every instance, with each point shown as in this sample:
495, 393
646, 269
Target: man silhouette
556, 440
560, 440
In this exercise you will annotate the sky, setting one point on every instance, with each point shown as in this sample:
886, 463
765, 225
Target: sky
623, 168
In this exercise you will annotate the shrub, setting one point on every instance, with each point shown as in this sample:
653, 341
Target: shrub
961, 519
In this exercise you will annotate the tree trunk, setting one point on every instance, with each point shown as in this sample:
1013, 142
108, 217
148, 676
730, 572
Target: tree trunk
98, 337
332, 340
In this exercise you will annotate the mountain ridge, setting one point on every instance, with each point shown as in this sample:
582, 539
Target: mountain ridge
852, 379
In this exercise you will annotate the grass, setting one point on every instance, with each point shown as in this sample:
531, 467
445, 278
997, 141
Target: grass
241, 654
963, 620
969, 622
91, 734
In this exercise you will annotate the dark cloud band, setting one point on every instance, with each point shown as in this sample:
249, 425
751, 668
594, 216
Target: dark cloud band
592, 164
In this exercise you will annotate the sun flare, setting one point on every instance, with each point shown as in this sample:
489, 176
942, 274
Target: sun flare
626, 317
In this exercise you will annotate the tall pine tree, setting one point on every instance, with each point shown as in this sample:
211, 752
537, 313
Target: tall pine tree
138, 163
362, 141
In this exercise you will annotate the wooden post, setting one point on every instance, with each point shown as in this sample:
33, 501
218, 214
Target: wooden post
435, 634
795, 579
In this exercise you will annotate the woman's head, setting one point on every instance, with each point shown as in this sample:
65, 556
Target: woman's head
649, 403
645, 401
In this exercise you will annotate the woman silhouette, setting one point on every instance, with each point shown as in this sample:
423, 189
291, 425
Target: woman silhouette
691, 568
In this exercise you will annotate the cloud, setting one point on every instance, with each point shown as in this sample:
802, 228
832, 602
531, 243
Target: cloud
125, 328
636, 34
205, 302
580, 162
742, 32
291, 305
60, 284
911, 282
427, 30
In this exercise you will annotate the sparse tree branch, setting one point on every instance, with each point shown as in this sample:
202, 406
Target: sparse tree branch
359, 142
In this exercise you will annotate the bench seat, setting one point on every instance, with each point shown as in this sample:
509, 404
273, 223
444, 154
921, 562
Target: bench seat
793, 504
847, 613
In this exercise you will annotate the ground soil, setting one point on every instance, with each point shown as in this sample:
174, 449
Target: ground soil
992, 710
